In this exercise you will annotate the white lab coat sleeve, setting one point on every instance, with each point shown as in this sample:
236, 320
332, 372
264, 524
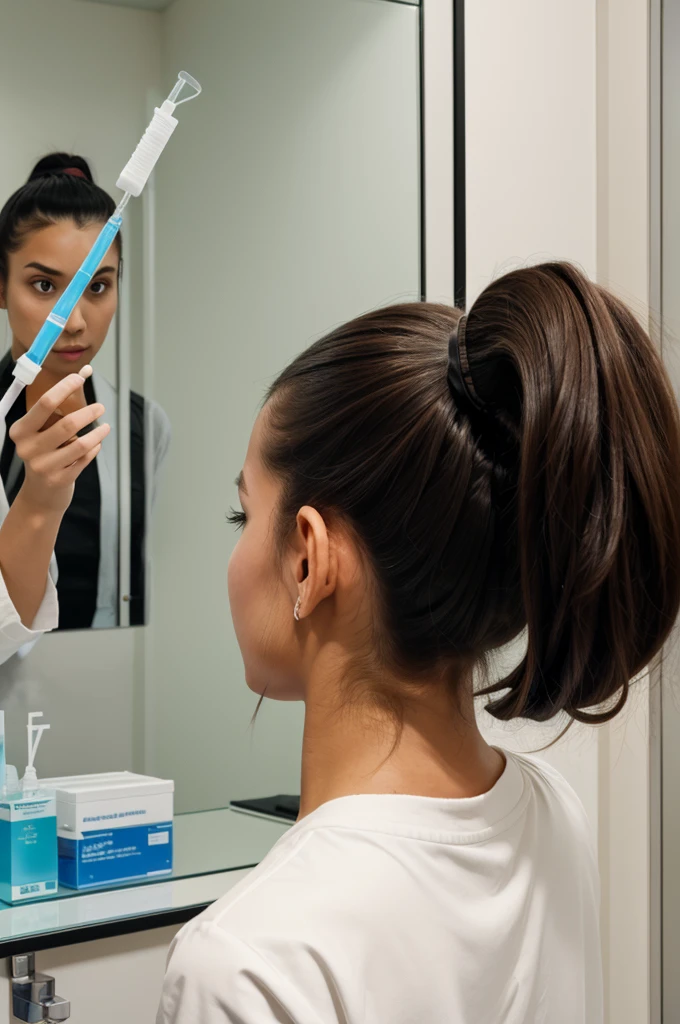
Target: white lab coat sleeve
13, 633
214, 977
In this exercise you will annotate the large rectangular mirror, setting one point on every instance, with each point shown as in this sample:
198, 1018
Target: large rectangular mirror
288, 200
51, 213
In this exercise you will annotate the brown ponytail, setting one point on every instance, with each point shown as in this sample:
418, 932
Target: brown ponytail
556, 507
598, 487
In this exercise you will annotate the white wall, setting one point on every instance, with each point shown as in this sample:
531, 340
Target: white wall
73, 76
624, 265
531, 195
557, 167
670, 747
287, 203
106, 981
531, 170
515, 213
438, 149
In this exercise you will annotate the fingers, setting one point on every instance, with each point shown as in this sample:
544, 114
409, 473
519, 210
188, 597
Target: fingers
72, 472
36, 417
51, 463
33, 444
68, 426
85, 372
68, 475
81, 446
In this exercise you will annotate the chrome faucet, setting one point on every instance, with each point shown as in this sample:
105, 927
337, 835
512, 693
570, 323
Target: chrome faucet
33, 996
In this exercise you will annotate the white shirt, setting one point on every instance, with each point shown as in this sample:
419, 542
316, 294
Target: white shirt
13, 633
407, 910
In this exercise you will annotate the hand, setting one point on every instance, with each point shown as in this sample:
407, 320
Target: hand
54, 456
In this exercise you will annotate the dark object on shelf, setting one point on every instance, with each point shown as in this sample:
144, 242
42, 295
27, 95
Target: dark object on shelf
286, 807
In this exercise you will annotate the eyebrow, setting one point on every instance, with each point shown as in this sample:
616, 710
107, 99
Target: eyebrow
59, 273
240, 483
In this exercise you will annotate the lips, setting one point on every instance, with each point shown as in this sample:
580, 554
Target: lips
70, 354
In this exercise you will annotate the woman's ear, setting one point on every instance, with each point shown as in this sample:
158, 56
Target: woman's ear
315, 563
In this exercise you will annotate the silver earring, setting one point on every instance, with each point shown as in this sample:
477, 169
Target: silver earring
296, 609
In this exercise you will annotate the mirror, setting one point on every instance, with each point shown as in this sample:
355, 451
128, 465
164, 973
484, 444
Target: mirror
287, 201
49, 225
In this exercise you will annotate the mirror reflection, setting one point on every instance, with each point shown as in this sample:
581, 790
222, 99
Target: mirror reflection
287, 201
47, 228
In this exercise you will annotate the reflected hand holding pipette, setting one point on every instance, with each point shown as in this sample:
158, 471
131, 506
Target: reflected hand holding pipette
50, 448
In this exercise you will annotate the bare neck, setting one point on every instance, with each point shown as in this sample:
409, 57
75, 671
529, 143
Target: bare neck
351, 746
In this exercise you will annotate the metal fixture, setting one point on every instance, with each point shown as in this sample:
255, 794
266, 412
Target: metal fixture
33, 996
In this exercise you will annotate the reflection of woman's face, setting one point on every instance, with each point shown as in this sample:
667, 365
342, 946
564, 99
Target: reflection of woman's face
37, 274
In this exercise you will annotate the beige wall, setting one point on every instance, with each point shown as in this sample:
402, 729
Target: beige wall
557, 166
623, 234
669, 159
531, 135
531, 196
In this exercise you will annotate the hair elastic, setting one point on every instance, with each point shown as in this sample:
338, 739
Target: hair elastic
495, 435
75, 172
459, 376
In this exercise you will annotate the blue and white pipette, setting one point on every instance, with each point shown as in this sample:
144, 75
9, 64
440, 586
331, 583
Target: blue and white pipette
132, 180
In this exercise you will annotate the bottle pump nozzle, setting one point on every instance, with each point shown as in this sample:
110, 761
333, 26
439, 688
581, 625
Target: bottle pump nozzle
35, 732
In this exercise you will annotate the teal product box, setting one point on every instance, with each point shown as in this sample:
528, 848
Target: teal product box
28, 846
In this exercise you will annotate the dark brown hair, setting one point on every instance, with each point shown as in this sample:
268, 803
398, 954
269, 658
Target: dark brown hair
53, 193
557, 509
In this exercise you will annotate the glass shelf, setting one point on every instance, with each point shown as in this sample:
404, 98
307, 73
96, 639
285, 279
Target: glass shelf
208, 845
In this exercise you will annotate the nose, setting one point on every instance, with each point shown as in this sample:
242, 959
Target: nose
76, 323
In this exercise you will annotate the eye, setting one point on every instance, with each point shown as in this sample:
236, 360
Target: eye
236, 518
43, 286
98, 287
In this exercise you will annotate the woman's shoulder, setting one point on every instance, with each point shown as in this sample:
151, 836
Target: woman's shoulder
214, 976
268, 933
554, 797
148, 408
149, 421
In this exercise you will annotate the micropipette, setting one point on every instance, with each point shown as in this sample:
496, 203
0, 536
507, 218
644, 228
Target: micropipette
132, 180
